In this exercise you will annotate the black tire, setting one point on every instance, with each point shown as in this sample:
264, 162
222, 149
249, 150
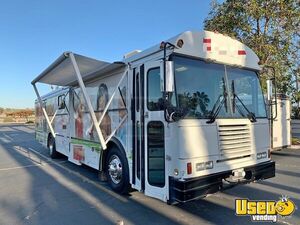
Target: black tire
122, 186
52, 148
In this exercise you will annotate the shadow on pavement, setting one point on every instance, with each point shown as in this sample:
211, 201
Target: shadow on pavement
287, 154
288, 173
54, 196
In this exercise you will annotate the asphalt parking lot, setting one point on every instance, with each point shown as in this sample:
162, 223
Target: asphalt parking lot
37, 190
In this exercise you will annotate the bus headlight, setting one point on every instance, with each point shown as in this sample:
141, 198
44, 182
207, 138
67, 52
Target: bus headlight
204, 165
261, 155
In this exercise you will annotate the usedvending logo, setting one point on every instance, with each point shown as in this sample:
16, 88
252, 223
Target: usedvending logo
265, 210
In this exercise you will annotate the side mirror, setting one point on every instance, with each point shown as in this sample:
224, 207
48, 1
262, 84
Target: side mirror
272, 99
169, 76
269, 90
162, 78
61, 102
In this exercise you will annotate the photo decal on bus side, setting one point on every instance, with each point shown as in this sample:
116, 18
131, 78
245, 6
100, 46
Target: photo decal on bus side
84, 136
101, 102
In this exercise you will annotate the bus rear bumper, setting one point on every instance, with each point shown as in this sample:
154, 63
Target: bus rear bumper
194, 188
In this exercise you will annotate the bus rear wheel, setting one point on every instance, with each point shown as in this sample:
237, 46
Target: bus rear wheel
117, 171
52, 148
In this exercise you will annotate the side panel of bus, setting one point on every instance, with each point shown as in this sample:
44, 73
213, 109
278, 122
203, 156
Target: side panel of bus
84, 147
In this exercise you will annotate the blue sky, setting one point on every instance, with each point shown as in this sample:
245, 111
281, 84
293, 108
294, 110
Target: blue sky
34, 33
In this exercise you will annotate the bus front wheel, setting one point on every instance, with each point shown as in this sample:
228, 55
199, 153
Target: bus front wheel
117, 170
52, 148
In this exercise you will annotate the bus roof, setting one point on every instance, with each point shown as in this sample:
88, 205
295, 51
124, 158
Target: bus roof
206, 45
209, 46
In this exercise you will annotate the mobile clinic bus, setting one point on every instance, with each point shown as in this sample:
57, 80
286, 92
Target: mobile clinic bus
178, 121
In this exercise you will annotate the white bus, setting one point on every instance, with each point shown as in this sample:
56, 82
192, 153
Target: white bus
178, 121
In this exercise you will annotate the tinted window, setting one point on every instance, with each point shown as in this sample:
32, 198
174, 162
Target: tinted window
137, 96
201, 85
248, 90
156, 153
154, 93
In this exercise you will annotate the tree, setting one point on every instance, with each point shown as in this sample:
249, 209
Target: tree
270, 28
26, 113
22, 113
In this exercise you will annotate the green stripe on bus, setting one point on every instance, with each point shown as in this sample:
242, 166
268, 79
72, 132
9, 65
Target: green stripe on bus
86, 143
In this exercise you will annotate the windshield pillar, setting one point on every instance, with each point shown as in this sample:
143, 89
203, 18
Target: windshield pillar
229, 94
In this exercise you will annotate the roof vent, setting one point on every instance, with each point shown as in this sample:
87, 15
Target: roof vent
129, 54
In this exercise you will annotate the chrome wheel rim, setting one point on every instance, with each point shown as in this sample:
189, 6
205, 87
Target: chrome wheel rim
51, 148
115, 169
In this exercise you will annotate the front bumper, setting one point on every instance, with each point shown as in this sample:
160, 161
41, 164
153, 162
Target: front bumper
194, 188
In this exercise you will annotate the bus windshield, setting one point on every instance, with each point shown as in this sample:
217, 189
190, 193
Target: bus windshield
201, 85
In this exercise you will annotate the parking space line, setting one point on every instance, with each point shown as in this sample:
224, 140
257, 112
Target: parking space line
32, 165
19, 167
7, 136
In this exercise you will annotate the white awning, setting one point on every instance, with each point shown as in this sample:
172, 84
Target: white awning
62, 73
73, 70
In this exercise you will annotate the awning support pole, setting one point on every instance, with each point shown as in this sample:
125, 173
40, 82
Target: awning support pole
115, 130
52, 119
107, 106
44, 110
88, 101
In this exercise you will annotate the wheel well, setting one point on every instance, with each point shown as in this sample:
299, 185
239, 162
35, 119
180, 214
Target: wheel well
114, 142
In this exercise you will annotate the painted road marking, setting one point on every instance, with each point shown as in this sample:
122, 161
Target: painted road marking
7, 136
22, 167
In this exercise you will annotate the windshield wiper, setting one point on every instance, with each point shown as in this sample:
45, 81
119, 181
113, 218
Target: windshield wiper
251, 116
218, 105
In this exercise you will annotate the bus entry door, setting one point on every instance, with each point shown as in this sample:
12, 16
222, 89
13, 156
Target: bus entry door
156, 181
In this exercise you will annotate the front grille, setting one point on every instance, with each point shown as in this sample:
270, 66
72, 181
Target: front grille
234, 141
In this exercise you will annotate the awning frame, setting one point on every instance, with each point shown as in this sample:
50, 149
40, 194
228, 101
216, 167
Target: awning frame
42, 105
87, 99
51, 67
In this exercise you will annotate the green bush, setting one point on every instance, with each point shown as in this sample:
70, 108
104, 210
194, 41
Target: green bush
296, 113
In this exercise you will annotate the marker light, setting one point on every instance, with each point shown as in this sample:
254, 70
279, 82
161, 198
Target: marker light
180, 43
189, 168
241, 52
207, 40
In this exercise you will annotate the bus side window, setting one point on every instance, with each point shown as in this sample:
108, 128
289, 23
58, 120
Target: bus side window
137, 93
154, 94
61, 102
